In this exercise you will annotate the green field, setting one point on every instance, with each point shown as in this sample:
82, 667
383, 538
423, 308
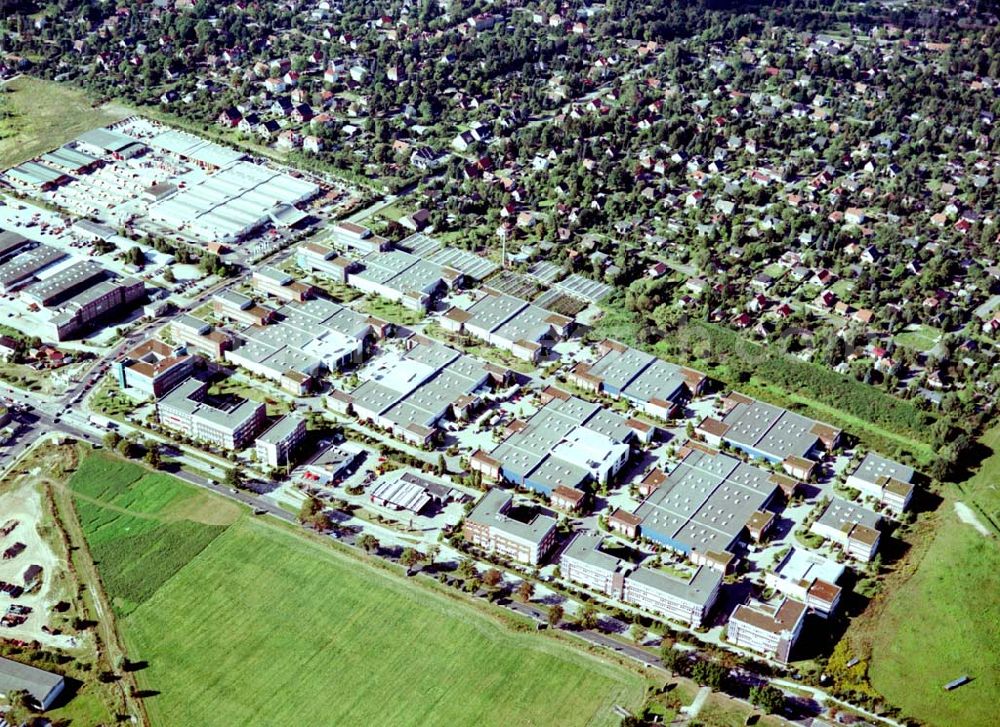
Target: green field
248, 622
141, 527
944, 622
37, 116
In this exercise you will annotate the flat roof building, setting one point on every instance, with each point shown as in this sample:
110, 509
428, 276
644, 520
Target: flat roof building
227, 423
567, 442
510, 324
887, 482
768, 432
489, 527
153, 367
768, 630
400, 277
685, 599
852, 527
705, 504
652, 384
408, 393
276, 446
807, 577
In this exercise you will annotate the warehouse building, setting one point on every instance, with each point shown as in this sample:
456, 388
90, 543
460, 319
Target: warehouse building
68, 160
705, 504
400, 277
408, 393
768, 630
303, 341
109, 143
511, 324
656, 387
889, 483
568, 442
771, 433
43, 686
32, 176
472, 266
852, 527
153, 367
24, 262
276, 446
230, 423
402, 490
490, 527
807, 577
233, 203
190, 148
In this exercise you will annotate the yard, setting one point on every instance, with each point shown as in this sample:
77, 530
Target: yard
387, 310
37, 115
918, 337
244, 621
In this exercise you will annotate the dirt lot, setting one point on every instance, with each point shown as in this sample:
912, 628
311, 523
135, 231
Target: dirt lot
24, 503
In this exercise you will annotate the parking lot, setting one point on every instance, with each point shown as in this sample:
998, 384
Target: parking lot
25, 606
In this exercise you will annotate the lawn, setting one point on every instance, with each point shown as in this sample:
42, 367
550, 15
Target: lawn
942, 623
41, 115
387, 310
267, 628
920, 338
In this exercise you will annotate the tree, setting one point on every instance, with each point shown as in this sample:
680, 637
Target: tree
311, 513
442, 465
671, 658
168, 276
111, 440
525, 591
232, 478
22, 704
709, 673
587, 618
467, 569
153, 458
411, 557
639, 633
555, 615
768, 698
368, 543
492, 578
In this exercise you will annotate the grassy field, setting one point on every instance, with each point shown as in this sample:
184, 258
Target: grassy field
280, 629
41, 115
939, 616
141, 527
244, 621
944, 622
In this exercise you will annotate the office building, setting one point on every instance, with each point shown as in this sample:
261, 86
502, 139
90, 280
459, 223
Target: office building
768, 630
277, 445
490, 527
229, 423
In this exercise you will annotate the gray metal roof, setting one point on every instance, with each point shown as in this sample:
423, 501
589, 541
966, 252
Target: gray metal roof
37, 682
874, 466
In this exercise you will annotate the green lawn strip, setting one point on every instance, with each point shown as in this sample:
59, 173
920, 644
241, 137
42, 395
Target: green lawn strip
264, 626
943, 623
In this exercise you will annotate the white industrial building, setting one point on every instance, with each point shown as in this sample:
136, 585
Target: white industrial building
232, 203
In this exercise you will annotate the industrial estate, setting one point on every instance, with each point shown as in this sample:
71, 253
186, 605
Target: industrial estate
652, 476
